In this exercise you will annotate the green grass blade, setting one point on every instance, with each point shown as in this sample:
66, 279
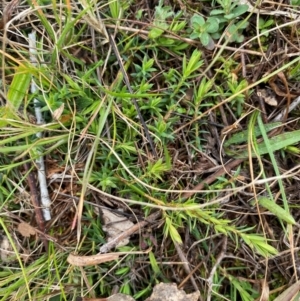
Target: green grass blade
276, 143
276, 210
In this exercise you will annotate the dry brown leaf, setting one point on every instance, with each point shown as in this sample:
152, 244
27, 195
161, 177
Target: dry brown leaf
289, 293
268, 96
57, 113
26, 230
8, 10
82, 261
7, 253
265, 291
114, 225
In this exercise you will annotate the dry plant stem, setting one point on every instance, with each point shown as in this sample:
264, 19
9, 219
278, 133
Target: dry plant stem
35, 202
91, 299
82, 261
189, 275
8, 10
111, 244
214, 268
291, 107
45, 199
46, 236
213, 177
126, 79
185, 265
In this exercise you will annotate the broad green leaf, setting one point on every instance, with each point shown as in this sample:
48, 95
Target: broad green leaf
276, 143
276, 210
242, 136
18, 88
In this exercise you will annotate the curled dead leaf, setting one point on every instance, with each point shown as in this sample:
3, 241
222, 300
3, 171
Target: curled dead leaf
82, 261
114, 225
289, 293
268, 96
7, 253
57, 113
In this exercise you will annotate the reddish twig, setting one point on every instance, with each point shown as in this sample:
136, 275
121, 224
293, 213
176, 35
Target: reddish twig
36, 203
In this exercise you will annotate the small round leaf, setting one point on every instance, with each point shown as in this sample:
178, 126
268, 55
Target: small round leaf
205, 38
197, 20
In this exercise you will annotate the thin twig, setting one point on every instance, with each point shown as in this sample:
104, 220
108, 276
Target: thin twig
226, 168
36, 203
185, 265
214, 268
126, 80
291, 107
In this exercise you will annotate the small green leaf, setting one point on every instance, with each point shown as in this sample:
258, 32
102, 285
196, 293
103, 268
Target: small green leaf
239, 10
154, 264
194, 35
215, 12
276, 210
172, 231
205, 38
122, 271
268, 23
259, 243
155, 33
197, 20
229, 16
213, 25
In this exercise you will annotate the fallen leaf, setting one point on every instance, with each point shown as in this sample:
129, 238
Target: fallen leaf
7, 253
57, 113
114, 225
268, 96
289, 293
26, 230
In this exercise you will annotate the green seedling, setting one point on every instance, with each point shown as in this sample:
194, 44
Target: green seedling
162, 13
234, 32
230, 10
203, 30
264, 26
